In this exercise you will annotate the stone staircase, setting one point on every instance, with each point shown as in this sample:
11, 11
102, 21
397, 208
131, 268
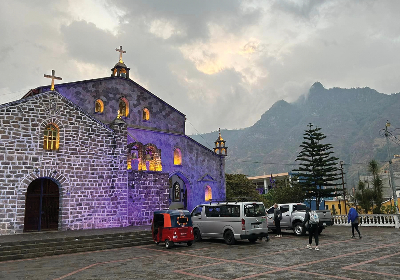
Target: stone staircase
72, 244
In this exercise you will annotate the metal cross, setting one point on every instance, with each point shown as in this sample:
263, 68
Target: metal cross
121, 51
52, 77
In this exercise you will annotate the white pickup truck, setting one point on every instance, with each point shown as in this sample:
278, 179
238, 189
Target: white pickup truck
293, 217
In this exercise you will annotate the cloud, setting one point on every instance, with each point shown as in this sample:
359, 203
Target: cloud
222, 63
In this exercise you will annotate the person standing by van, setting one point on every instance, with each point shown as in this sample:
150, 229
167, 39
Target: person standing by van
277, 220
354, 218
311, 218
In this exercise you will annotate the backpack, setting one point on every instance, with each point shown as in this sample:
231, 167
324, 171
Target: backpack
314, 219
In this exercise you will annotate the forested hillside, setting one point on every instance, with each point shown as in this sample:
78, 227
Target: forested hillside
352, 120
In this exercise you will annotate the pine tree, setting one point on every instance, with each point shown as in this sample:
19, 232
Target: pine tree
318, 171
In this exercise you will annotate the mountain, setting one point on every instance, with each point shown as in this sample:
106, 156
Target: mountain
352, 119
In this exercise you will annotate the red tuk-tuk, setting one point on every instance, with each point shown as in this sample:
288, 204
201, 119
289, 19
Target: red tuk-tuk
172, 226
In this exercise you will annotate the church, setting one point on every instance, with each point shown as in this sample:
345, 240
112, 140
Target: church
99, 153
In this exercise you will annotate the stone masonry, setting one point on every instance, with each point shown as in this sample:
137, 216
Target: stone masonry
96, 187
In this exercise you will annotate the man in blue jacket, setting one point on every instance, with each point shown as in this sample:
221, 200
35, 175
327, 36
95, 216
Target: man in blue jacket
354, 218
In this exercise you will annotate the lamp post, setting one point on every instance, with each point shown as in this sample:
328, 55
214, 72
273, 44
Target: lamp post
391, 168
344, 190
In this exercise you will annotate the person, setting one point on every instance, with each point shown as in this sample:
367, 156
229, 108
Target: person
312, 229
277, 220
354, 218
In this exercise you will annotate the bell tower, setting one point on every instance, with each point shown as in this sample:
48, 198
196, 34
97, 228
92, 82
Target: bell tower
120, 69
220, 148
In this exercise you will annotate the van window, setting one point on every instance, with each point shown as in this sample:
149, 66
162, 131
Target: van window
197, 211
230, 211
254, 210
213, 211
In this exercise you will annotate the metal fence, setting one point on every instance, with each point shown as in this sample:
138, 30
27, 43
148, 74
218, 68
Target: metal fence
370, 220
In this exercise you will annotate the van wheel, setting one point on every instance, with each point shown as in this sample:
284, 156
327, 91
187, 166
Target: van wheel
197, 235
252, 240
299, 229
168, 244
229, 237
190, 243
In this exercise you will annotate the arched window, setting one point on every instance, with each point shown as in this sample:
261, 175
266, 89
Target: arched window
123, 107
177, 157
208, 193
146, 114
99, 106
51, 137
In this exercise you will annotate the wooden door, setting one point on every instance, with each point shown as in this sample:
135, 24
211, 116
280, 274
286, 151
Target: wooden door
42, 206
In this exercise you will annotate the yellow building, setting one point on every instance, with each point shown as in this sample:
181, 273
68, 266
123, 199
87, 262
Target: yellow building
337, 206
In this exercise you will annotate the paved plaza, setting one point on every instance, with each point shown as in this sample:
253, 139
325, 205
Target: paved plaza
375, 256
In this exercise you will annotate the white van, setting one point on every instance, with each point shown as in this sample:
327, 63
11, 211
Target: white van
230, 221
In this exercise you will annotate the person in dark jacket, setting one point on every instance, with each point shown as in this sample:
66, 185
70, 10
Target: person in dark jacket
312, 230
354, 219
277, 220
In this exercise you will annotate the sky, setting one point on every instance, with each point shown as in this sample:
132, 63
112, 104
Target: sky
222, 63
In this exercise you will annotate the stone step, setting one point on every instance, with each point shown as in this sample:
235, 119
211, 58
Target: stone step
69, 245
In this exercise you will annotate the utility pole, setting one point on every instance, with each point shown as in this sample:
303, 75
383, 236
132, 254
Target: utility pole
344, 190
391, 167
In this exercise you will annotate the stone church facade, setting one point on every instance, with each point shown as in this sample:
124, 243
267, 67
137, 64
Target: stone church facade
99, 153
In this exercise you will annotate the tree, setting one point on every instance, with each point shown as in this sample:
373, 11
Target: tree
284, 193
373, 167
238, 187
318, 171
364, 197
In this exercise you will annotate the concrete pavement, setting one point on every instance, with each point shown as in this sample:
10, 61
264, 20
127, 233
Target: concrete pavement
375, 256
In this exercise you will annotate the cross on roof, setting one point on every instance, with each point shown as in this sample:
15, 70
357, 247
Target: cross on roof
52, 77
121, 51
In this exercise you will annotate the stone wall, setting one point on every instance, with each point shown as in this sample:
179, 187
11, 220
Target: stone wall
200, 166
163, 116
90, 191
148, 191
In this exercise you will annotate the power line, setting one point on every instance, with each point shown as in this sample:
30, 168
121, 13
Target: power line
200, 134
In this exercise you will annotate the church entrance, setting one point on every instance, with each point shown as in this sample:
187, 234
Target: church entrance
177, 193
41, 206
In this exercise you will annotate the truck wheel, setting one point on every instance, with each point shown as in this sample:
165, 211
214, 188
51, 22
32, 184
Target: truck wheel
190, 243
169, 244
229, 237
299, 229
197, 235
320, 230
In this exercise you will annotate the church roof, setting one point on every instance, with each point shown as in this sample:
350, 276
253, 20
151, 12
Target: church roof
47, 88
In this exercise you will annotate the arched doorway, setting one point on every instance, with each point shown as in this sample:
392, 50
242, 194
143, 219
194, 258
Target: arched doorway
177, 192
41, 205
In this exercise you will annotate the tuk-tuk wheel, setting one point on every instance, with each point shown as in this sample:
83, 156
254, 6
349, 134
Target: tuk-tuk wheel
169, 244
190, 243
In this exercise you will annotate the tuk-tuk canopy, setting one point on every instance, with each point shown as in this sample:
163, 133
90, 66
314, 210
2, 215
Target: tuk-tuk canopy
172, 218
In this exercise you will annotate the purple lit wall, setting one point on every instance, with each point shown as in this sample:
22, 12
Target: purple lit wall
90, 167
